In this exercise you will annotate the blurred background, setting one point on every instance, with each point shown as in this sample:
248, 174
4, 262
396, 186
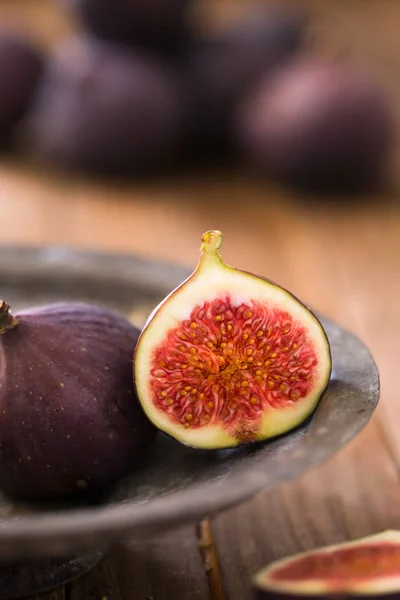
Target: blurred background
136, 126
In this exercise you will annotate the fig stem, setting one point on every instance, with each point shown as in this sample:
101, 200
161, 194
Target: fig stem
210, 559
211, 244
7, 320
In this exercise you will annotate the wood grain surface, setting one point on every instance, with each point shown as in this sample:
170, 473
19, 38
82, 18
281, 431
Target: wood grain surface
342, 258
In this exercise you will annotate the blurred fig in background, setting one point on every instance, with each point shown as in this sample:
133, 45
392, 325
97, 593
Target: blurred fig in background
158, 25
223, 66
21, 65
322, 125
102, 110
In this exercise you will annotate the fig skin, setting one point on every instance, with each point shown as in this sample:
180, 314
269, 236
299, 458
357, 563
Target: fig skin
320, 125
21, 65
157, 25
103, 110
223, 66
71, 422
364, 568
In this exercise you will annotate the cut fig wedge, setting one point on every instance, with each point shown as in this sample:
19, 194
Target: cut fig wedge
229, 358
369, 566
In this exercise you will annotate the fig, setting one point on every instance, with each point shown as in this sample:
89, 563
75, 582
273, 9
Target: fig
367, 567
71, 422
229, 358
21, 64
157, 25
224, 65
101, 109
318, 124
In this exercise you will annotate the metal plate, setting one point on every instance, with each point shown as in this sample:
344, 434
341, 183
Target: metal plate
173, 484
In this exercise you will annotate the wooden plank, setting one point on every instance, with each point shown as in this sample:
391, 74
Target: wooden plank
99, 584
58, 594
163, 568
345, 499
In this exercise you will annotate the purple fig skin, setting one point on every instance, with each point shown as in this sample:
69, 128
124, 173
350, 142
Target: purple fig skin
321, 125
103, 110
157, 25
71, 422
21, 65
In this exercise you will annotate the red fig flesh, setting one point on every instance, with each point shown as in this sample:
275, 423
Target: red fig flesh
369, 566
70, 420
230, 358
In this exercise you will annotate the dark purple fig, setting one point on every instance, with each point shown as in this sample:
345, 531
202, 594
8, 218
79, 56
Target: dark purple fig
319, 124
21, 65
158, 25
365, 568
225, 65
101, 109
70, 419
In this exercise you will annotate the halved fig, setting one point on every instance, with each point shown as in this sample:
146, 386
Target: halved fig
229, 358
369, 566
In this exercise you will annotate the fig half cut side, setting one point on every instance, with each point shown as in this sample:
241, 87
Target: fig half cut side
229, 358
369, 566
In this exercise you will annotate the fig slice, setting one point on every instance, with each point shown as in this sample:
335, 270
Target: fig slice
369, 566
229, 358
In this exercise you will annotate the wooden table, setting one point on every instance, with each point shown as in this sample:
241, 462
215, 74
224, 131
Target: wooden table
342, 259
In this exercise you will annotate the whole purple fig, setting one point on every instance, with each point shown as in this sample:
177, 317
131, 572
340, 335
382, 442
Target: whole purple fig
70, 419
104, 110
322, 125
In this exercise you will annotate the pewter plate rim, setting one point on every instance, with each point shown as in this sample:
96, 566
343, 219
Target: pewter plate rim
87, 527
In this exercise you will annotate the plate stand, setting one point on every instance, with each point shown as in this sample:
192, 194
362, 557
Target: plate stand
18, 580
